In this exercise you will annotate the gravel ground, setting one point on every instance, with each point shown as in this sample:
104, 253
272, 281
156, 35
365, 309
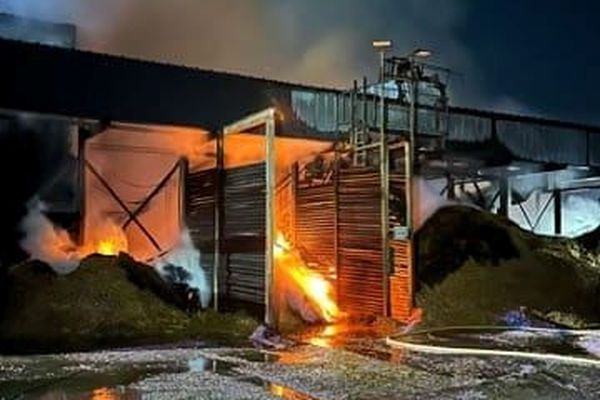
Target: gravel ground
305, 372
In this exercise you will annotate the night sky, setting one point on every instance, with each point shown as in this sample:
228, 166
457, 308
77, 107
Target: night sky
522, 56
543, 54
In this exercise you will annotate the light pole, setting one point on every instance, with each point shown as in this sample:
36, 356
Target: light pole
384, 170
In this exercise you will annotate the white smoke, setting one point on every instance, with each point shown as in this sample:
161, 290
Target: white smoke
45, 242
48, 243
186, 256
427, 199
581, 214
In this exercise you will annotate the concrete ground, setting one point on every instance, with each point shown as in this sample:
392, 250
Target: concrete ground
329, 364
359, 368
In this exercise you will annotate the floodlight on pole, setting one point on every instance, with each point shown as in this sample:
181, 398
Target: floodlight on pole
382, 46
422, 53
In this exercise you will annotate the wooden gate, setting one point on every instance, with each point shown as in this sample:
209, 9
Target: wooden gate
337, 224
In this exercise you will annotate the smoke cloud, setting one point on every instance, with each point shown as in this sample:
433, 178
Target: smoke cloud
186, 257
53, 245
318, 42
45, 242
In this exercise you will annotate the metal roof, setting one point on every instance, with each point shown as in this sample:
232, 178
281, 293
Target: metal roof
76, 83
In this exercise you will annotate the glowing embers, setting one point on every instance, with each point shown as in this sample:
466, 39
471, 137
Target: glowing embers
305, 289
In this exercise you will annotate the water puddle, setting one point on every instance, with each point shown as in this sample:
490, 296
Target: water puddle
106, 382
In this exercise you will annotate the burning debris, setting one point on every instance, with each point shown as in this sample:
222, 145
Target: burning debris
52, 245
305, 291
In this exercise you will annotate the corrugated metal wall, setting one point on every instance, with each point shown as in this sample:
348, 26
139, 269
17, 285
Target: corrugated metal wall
360, 271
360, 274
544, 143
244, 233
199, 214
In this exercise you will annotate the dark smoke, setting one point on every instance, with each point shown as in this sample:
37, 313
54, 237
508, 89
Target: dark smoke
31, 153
319, 42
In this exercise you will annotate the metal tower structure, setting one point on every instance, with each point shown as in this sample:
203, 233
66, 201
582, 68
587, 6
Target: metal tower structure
392, 126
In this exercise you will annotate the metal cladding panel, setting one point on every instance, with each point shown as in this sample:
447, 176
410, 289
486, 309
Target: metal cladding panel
315, 109
245, 277
55, 80
245, 201
315, 226
469, 128
543, 143
360, 279
200, 203
199, 210
594, 149
244, 233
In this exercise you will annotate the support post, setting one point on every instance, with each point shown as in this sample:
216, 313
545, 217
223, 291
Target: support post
294, 202
336, 220
183, 172
270, 317
384, 172
82, 135
451, 193
557, 212
504, 209
218, 217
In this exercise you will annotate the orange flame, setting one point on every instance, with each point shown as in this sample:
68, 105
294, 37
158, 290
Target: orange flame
107, 239
318, 290
107, 247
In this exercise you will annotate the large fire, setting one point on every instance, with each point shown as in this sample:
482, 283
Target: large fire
316, 288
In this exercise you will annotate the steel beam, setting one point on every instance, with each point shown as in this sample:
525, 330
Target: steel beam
557, 212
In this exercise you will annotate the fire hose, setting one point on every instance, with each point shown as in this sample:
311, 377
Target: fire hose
398, 343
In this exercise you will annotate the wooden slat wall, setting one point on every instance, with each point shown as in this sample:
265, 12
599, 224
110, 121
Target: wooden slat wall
315, 227
360, 286
401, 281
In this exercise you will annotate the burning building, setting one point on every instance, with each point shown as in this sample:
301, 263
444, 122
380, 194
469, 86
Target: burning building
295, 196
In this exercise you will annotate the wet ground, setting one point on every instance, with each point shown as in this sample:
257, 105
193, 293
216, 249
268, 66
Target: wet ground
352, 364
